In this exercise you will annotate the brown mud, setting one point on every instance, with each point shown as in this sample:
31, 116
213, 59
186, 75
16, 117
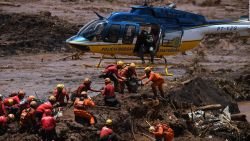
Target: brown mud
33, 33
216, 72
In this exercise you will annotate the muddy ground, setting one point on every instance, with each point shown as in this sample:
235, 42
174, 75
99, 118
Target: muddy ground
32, 46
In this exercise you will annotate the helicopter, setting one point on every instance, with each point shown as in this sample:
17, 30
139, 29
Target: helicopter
175, 31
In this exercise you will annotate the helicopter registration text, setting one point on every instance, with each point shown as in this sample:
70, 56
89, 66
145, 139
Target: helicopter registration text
228, 28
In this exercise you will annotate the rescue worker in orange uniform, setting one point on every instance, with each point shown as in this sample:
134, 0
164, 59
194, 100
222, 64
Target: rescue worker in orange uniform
157, 80
162, 131
81, 105
41, 108
25, 103
48, 126
20, 95
111, 72
13, 103
11, 106
128, 72
2, 107
27, 118
107, 134
60, 93
3, 122
85, 86
109, 93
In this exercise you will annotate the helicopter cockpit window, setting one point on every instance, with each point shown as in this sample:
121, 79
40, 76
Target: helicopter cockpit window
129, 34
113, 33
94, 30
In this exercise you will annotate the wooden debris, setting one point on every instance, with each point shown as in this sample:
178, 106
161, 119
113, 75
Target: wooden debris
210, 107
238, 117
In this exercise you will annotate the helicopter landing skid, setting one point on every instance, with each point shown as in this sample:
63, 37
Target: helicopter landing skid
102, 57
166, 68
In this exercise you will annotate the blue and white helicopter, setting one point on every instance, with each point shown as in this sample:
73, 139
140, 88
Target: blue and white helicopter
173, 30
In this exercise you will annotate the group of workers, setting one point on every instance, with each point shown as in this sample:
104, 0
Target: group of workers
36, 115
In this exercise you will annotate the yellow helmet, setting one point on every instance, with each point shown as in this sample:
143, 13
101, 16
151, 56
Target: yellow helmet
31, 97
132, 65
33, 104
84, 93
60, 86
86, 81
52, 98
10, 101
120, 63
107, 80
109, 122
21, 93
11, 117
151, 129
147, 69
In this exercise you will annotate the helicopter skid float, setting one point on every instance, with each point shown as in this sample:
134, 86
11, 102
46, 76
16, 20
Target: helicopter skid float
174, 31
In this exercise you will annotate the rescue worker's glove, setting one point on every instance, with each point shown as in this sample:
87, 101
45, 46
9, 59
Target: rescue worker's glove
144, 83
57, 104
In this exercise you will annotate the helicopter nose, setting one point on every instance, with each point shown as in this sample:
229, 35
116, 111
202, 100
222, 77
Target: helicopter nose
78, 42
76, 39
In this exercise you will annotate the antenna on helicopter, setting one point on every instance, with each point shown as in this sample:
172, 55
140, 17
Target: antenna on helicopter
99, 16
145, 3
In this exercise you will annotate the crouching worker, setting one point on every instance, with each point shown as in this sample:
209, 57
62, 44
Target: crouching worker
162, 131
3, 122
111, 72
107, 133
157, 80
130, 74
60, 93
85, 86
27, 118
109, 93
48, 126
81, 105
41, 108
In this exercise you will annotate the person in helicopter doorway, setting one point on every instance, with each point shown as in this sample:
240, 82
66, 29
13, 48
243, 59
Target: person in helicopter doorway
145, 44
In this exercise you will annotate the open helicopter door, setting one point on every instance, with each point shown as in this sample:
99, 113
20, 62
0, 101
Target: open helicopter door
159, 39
172, 37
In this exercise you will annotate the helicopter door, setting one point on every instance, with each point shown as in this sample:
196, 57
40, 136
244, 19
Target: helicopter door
172, 38
129, 34
113, 33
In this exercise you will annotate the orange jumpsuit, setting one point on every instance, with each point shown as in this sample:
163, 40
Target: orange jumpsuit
163, 131
127, 73
60, 96
27, 118
80, 107
157, 82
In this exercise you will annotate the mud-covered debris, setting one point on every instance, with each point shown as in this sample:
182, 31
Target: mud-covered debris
22, 33
200, 92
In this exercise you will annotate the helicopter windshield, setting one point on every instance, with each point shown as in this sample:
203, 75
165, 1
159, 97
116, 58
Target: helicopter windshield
92, 29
